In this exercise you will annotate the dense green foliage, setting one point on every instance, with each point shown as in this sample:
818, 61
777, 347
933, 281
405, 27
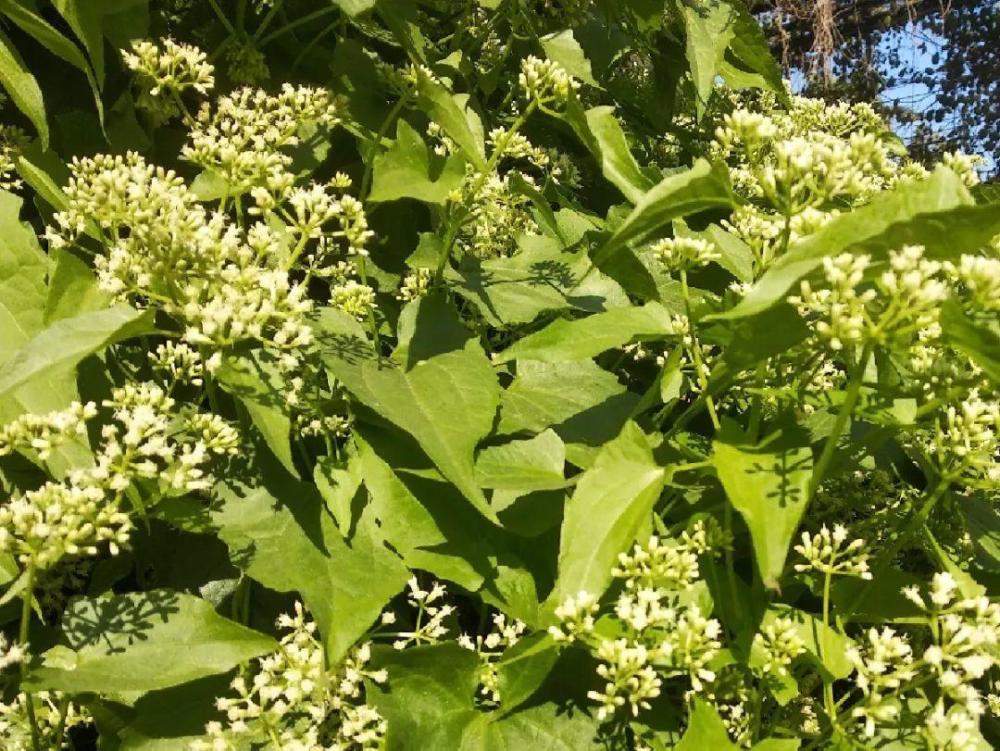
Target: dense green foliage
521, 374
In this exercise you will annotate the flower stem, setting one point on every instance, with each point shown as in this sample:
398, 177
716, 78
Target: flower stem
843, 416
23, 634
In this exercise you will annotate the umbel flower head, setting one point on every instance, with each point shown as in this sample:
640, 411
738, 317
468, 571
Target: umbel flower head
829, 552
164, 72
291, 700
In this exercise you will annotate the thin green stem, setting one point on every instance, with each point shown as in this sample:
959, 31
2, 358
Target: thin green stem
292, 25
695, 350
840, 423
266, 21
222, 17
828, 703
23, 633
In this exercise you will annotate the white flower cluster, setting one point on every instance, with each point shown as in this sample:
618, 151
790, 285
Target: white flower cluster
964, 634
966, 443
429, 622
778, 643
76, 516
665, 636
797, 165
683, 253
294, 702
504, 634
244, 139
829, 553
979, 276
179, 362
165, 248
12, 143
49, 719
545, 81
42, 433
900, 309
497, 214
164, 72
415, 284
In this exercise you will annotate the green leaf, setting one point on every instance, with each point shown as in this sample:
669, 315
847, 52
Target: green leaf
702, 187
601, 133
540, 277
279, 533
452, 112
937, 213
705, 730
23, 267
73, 288
583, 338
524, 667
709, 27
429, 705
354, 7
22, 88
143, 641
777, 744
430, 532
338, 482
750, 48
769, 485
87, 20
561, 47
405, 170
50, 38
261, 390
611, 502
168, 720
65, 343
582, 402
979, 343
534, 464
410, 395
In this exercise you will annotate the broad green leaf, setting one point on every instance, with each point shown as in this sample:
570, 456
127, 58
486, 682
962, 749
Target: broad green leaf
582, 402
405, 170
603, 136
23, 267
697, 189
65, 343
260, 388
167, 720
338, 482
561, 47
705, 730
22, 87
452, 112
50, 38
354, 7
540, 277
736, 256
769, 486
936, 212
429, 705
750, 48
980, 343
446, 398
279, 533
611, 502
709, 26
533, 464
777, 744
524, 667
72, 289
583, 338
428, 531
143, 641
87, 18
